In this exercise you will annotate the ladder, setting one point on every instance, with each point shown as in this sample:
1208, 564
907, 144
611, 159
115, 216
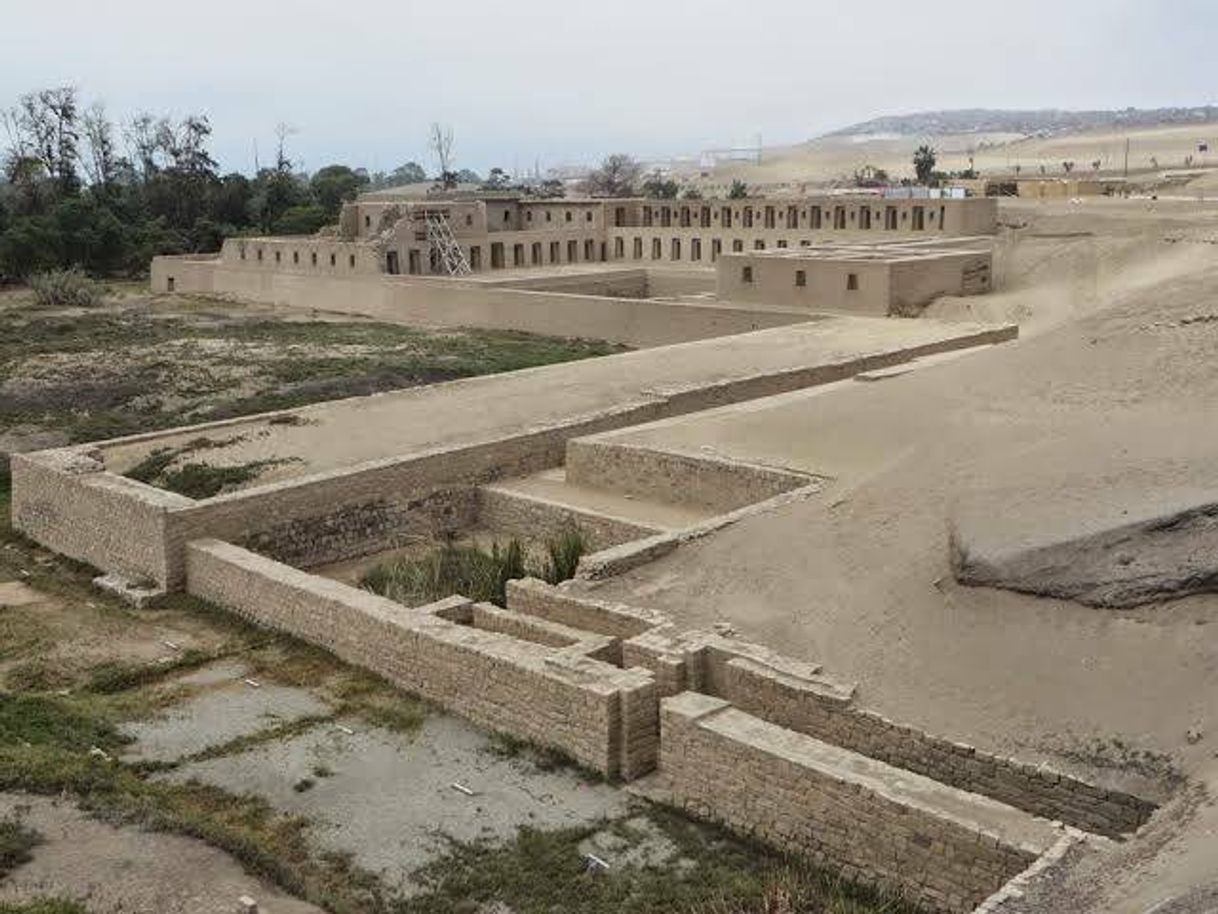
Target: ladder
444, 243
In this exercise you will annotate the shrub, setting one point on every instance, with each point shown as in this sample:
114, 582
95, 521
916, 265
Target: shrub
468, 570
472, 571
16, 843
565, 551
70, 287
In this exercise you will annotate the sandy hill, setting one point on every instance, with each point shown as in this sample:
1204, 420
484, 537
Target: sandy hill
996, 142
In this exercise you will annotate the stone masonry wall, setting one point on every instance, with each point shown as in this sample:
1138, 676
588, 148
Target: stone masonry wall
65, 500
603, 717
520, 515
1035, 789
927, 842
796, 695
352, 512
701, 481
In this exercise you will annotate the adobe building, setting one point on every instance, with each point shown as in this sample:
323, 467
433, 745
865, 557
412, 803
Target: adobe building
895, 279
393, 234
634, 271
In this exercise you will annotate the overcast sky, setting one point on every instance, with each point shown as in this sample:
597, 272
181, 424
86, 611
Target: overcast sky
570, 80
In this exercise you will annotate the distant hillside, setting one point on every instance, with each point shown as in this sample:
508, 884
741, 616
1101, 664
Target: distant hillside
1046, 122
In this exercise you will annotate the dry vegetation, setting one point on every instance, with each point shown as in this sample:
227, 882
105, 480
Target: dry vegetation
138, 363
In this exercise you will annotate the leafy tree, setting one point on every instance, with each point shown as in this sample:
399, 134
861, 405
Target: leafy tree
335, 185
616, 177
924, 161
498, 179
660, 187
738, 191
870, 176
306, 219
468, 176
692, 193
410, 173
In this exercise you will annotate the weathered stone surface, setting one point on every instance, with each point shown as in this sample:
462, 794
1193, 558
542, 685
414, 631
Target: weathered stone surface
1119, 554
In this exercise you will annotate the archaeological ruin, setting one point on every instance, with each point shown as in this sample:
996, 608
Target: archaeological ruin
747, 318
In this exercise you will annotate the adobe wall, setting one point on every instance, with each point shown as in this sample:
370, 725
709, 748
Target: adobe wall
713, 484
827, 288
356, 511
517, 514
863, 818
627, 283
797, 696
426, 302
67, 502
1036, 789
599, 715
916, 283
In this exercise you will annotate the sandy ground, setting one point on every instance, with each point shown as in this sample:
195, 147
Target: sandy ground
1113, 390
839, 157
348, 432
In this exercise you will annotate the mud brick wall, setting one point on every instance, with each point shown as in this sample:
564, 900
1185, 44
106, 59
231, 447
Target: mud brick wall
787, 790
518, 515
64, 500
713, 484
601, 716
390, 498
365, 528
537, 598
1034, 789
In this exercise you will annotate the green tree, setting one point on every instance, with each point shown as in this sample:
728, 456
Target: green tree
738, 191
924, 160
660, 187
335, 185
410, 173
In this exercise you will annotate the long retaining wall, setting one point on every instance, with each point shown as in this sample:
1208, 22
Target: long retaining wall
602, 716
637, 322
933, 844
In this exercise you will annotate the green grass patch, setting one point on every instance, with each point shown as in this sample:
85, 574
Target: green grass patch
198, 479
472, 571
43, 906
41, 721
544, 871
120, 676
17, 842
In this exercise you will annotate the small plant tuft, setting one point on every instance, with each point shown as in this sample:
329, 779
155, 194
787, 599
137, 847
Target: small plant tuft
472, 571
565, 551
66, 288
16, 843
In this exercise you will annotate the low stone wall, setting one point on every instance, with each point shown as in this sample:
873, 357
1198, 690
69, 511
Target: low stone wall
357, 511
66, 501
935, 845
699, 481
516, 514
601, 716
796, 695
1036, 789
